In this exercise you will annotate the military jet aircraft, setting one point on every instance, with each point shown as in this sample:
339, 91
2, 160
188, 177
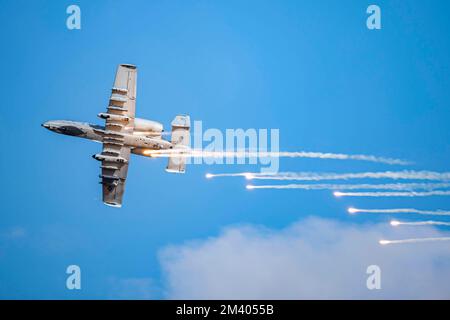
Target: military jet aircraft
123, 134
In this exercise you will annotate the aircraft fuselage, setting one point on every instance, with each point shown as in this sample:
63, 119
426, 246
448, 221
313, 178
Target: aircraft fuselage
137, 142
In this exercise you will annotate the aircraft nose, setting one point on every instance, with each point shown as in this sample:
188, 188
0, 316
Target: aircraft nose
46, 125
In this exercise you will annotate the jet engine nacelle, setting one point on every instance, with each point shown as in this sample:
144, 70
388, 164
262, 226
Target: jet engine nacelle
147, 126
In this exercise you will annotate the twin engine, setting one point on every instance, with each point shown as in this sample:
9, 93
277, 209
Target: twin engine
147, 127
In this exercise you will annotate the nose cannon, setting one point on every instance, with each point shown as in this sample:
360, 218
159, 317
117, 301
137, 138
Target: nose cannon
47, 125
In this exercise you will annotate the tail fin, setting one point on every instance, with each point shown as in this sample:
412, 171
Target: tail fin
181, 139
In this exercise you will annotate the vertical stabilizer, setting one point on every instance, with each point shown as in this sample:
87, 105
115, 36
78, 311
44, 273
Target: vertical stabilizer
181, 139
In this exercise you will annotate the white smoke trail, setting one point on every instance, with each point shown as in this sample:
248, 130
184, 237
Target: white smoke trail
393, 186
420, 223
392, 194
249, 154
384, 242
317, 176
401, 210
248, 175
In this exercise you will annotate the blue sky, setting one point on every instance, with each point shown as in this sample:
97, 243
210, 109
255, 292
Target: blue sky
309, 68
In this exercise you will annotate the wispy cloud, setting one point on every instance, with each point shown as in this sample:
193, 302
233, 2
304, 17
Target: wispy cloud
314, 258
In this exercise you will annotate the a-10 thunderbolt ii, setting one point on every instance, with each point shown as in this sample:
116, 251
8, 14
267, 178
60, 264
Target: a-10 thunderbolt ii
123, 134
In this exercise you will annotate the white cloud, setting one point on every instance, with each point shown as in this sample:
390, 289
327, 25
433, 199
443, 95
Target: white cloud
313, 258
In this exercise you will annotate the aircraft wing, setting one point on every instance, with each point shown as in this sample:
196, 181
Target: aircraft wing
114, 175
122, 103
119, 121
